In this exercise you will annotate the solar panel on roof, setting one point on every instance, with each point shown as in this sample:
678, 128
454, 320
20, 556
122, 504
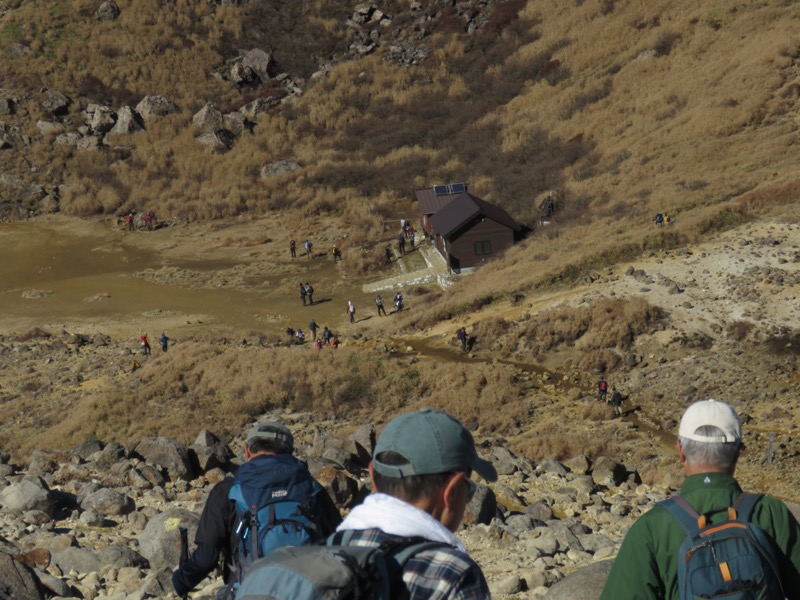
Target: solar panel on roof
449, 189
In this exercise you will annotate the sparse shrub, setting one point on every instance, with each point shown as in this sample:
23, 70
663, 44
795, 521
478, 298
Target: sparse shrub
739, 330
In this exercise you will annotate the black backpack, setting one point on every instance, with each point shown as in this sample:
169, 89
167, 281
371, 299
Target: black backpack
332, 572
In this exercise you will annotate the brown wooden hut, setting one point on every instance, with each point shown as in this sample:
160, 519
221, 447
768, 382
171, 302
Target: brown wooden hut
467, 231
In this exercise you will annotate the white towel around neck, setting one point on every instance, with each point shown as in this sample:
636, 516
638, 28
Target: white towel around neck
395, 517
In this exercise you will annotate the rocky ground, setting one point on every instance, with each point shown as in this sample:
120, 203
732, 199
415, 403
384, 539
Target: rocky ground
98, 520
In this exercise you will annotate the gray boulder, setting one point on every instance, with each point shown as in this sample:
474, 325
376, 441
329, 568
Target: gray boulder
584, 584
107, 11
482, 508
208, 117
169, 454
127, 122
608, 472
102, 119
29, 494
279, 167
210, 453
55, 102
108, 502
18, 580
160, 542
259, 62
150, 107
219, 140
121, 556
81, 560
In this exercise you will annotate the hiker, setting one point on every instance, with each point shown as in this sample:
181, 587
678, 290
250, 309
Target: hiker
658, 219
164, 341
398, 301
652, 557
303, 293
401, 244
129, 219
293, 248
351, 310
379, 304
337, 254
387, 255
308, 245
461, 334
270, 472
310, 293
326, 335
602, 390
301, 337
334, 342
145, 344
135, 364
667, 219
148, 220
312, 327
616, 401
420, 475
318, 344
290, 332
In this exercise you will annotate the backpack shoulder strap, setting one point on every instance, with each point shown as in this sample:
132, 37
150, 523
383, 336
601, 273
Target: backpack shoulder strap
744, 506
683, 513
411, 548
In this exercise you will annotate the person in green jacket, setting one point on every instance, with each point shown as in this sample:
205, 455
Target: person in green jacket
709, 444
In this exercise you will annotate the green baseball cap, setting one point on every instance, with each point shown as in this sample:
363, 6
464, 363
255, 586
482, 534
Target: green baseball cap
432, 442
270, 430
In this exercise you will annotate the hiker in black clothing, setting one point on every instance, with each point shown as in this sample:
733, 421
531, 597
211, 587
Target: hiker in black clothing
401, 244
293, 248
616, 401
326, 335
387, 255
268, 451
398, 301
461, 334
164, 342
303, 293
379, 304
310, 293
312, 327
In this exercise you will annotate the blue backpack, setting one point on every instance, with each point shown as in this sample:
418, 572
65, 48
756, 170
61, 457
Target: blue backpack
735, 559
274, 499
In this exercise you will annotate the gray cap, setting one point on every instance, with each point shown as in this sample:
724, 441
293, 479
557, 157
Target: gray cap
432, 442
270, 430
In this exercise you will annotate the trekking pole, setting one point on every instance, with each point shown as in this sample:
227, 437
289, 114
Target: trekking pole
184, 551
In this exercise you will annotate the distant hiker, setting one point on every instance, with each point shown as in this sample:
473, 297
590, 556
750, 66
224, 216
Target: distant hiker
602, 390
318, 344
301, 337
379, 304
461, 334
310, 293
667, 219
129, 220
337, 254
616, 401
334, 342
135, 364
326, 335
141, 223
293, 248
312, 327
351, 311
401, 244
402, 225
387, 255
271, 481
398, 301
145, 344
658, 219
303, 293
164, 342
290, 332
308, 245
148, 220
411, 238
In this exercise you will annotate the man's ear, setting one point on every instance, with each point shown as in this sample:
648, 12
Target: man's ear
450, 488
371, 469
247, 453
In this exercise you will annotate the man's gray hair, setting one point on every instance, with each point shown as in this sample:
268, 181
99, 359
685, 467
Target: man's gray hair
710, 454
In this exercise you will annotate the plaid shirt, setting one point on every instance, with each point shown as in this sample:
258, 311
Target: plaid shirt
433, 574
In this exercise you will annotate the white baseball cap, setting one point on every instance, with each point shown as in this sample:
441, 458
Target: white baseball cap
711, 412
